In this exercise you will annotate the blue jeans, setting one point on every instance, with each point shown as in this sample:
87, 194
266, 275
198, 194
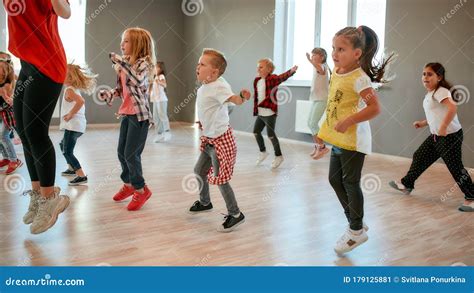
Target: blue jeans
6, 146
131, 143
160, 113
67, 144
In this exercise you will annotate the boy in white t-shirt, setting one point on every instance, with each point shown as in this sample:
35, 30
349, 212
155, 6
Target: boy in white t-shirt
218, 148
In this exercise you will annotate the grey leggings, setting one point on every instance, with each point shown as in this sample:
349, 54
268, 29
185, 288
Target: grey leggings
207, 159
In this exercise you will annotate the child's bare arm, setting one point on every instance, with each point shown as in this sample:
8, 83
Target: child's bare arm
242, 98
452, 109
77, 99
373, 109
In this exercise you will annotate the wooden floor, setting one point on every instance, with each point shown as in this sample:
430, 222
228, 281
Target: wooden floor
293, 216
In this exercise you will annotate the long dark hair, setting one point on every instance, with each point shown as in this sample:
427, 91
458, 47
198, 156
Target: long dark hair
366, 39
440, 71
162, 66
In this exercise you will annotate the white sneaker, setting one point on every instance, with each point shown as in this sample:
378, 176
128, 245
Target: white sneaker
349, 241
48, 211
33, 207
167, 136
277, 162
159, 138
261, 157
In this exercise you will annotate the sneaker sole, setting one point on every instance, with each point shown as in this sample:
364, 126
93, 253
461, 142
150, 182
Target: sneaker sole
68, 175
466, 209
76, 184
340, 253
199, 212
61, 207
394, 186
138, 208
231, 228
21, 164
276, 167
122, 199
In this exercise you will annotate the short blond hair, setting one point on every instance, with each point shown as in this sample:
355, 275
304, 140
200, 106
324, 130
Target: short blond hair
269, 63
218, 60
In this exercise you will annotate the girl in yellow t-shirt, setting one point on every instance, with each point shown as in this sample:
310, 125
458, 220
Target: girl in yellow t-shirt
352, 102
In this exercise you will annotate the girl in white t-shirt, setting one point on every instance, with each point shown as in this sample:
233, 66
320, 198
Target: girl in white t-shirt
446, 136
73, 118
160, 104
319, 96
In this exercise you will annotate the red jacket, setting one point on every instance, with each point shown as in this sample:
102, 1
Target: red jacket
272, 82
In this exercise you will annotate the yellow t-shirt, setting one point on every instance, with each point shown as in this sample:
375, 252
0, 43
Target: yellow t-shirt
343, 101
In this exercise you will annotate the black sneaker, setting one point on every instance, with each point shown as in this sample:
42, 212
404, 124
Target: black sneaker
68, 172
199, 208
230, 223
78, 180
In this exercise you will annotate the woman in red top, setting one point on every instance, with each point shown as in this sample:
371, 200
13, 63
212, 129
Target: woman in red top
34, 39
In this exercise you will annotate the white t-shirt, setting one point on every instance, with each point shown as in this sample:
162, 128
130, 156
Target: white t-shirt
436, 112
213, 111
319, 85
261, 96
78, 121
158, 93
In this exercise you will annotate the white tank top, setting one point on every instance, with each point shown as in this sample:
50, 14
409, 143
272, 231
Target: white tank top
78, 121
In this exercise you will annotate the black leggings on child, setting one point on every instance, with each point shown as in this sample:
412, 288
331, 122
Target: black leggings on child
449, 148
269, 122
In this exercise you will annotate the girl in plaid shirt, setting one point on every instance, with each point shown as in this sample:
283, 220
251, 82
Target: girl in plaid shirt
135, 71
266, 107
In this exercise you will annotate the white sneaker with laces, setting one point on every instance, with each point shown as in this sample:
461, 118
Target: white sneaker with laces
277, 162
48, 211
350, 240
261, 157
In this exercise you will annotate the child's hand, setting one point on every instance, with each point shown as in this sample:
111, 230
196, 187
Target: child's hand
418, 124
67, 117
309, 58
294, 68
115, 58
342, 126
8, 100
246, 94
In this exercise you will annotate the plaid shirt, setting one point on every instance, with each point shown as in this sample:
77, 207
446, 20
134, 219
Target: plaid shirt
137, 83
271, 89
226, 151
7, 117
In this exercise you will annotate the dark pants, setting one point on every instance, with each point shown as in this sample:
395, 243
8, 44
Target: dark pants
269, 122
208, 159
36, 96
449, 148
67, 144
345, 169
130, 147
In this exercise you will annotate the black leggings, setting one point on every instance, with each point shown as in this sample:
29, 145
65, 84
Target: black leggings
36, 96
449, 148
345, 169
269, 122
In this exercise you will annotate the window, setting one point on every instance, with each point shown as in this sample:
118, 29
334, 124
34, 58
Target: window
304, 24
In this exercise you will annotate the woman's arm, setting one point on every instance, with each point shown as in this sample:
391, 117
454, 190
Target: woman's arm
61, 8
